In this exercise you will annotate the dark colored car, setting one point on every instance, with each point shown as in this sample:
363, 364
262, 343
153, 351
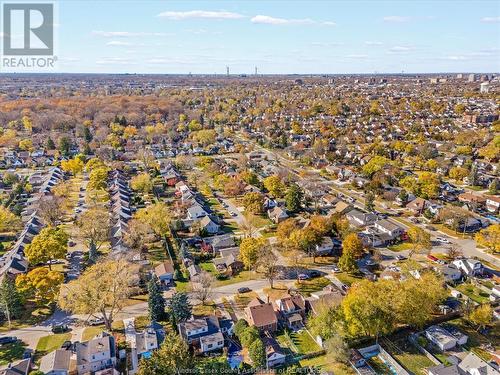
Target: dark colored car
244, 289
7, 340
66, 345
61, 328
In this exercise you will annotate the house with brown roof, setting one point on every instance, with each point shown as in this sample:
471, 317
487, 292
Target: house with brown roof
262, 315
292, 310
277, 214
418, 206
165, 272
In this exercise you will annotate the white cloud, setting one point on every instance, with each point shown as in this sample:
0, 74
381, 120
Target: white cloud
118, 43
490, 19
215, 15
396, 19
371, 43
326, 44
456, 58
125, 34
401, 49
329, 23
268, 20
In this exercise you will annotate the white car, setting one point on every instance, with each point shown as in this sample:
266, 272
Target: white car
335, 269
442, 240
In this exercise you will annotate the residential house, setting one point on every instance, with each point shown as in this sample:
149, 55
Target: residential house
388, 227
165, 272
474, 365
325, 247
469, 267
418, 206
277, 214
330, 296
442, 338
96, 354
274, 354
209, 226
194, 271
292, 310
360, 219
196, 212
56, 362
493, 204
262, 315
450, 274
203, 334
22, 367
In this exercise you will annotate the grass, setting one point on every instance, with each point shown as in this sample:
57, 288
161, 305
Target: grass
473, 292
400, 246
208, 266
240, 277
182, 286
203, 310
306, 287
31, 315
279, 291
347, 279
242, 300
11, 352
476, 339
407, 355
134, 300
379, 366
325, 364
50, 343
304, 342
91, 332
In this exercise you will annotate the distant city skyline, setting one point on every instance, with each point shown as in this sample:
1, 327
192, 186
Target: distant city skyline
278, 37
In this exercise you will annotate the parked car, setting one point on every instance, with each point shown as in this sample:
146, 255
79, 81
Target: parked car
442, 240
66, 345
95, 321
400, 257
314, 273
7, 340
71, 243
60, 328
244, 289
335, 269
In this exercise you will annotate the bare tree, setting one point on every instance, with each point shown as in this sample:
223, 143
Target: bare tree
50, 209
268, 264
454, 253
202, 286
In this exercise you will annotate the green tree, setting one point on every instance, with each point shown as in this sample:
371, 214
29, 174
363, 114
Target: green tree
482, 316
173, 357
180, 309
253, 202
257, 353
274, 186
293, 198
420, 240
347, 262
50, 244
337, 349
156, 303
64, 146
250, 249
370, 202
11, 302
50, 145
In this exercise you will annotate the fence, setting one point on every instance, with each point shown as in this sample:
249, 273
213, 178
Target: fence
400, 370
414, 340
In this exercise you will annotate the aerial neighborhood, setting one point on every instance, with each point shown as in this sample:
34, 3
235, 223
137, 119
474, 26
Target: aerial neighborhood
342, 224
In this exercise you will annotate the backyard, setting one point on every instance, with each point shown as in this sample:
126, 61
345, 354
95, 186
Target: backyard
11, 352
407, 354
300, 342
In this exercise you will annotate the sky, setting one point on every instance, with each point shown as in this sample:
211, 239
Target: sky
320, 37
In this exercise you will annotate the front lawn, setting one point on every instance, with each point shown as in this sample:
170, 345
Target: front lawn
50, 343
11, 352
91, 332
240, 277
402, 246
347, 279
306, 287
208, 266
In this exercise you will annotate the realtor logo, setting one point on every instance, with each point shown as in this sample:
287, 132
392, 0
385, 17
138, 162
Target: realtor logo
28, 29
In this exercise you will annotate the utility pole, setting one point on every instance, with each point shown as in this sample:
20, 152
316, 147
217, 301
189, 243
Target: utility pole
227, 71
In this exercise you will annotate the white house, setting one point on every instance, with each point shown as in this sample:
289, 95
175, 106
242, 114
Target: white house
196, 212
470, 267
441, 338
325, 247
388, 227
